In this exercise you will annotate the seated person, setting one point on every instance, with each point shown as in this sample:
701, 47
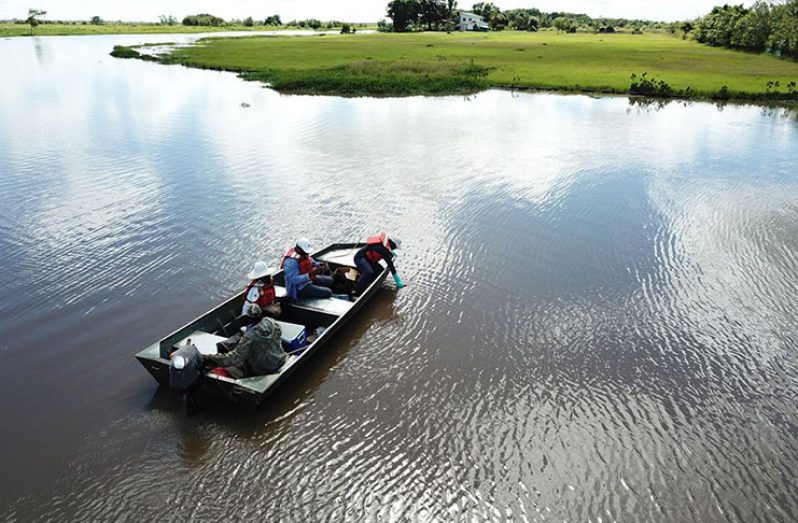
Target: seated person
302, 278
260, 290
257, 352
378, 247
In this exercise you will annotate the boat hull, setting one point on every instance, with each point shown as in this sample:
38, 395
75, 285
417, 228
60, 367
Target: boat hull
251, 392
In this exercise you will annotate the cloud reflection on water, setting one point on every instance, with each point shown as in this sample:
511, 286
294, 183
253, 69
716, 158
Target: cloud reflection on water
595, 295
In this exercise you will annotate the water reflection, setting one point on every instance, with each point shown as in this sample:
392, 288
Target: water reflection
597, 321
642, 103
39, 51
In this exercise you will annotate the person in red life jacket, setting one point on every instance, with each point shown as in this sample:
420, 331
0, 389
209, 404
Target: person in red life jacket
260, 291
302, 278
378, 247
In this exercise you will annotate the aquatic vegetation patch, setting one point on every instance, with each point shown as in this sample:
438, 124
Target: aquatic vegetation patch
122, 51
379, 78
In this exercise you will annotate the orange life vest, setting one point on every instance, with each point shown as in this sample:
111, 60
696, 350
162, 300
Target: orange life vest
266, 294
381, 238
305, 263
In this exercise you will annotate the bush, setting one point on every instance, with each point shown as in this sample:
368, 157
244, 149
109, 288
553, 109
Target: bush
384, 27
345, 29
249, 22
203, 20
650, 86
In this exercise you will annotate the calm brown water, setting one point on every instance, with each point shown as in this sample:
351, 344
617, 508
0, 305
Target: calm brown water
599, 324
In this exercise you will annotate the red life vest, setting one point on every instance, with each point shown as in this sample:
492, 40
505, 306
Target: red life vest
266, 294
305, 263
381, 238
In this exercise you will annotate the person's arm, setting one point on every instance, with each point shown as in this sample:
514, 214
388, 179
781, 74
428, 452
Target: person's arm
387, 256
252, 298
254, 294
235, 358
291, 269
322, 266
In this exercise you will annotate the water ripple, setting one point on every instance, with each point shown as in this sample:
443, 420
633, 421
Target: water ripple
597, 325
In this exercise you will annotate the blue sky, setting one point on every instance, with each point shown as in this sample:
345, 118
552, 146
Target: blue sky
352, 10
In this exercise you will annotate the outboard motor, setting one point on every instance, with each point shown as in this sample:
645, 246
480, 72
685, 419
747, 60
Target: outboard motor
185, 372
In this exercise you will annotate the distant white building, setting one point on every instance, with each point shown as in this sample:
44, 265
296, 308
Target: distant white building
472, 22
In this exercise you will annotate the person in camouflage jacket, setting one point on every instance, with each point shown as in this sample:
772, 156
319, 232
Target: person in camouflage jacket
259, 351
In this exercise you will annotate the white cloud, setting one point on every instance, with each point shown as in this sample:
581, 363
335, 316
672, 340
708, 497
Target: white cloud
353, 10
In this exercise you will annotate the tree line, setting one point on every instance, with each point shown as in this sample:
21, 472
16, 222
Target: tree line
763, 27
270, 21
440, 15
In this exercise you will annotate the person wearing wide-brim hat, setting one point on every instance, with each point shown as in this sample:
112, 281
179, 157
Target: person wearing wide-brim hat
260, 291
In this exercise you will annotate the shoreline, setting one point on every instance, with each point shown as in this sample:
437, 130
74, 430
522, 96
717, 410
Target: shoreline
381, 65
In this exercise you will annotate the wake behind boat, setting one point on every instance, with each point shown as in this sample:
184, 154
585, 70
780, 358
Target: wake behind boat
299, 317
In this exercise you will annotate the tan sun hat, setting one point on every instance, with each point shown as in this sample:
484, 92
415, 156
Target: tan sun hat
260, 270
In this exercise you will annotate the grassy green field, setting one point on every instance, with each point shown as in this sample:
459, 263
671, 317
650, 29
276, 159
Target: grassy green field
11, 29
429, 63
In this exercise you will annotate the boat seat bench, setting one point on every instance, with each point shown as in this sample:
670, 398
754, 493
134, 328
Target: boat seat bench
332, 306
204, 341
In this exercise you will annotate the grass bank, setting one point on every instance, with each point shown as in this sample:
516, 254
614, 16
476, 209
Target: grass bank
81, 28
432, 63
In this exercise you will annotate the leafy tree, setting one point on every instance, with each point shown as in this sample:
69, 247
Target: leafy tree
484, 9
717, 28
766, 26
96, 20
563, 24
273, 20
384, 27
203, 20
518, 20
497, 20
167, 20
249, 22
33, 18
783, 39
753, 29
448, 14
404, 13
522, 19
492, 15
431, 13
